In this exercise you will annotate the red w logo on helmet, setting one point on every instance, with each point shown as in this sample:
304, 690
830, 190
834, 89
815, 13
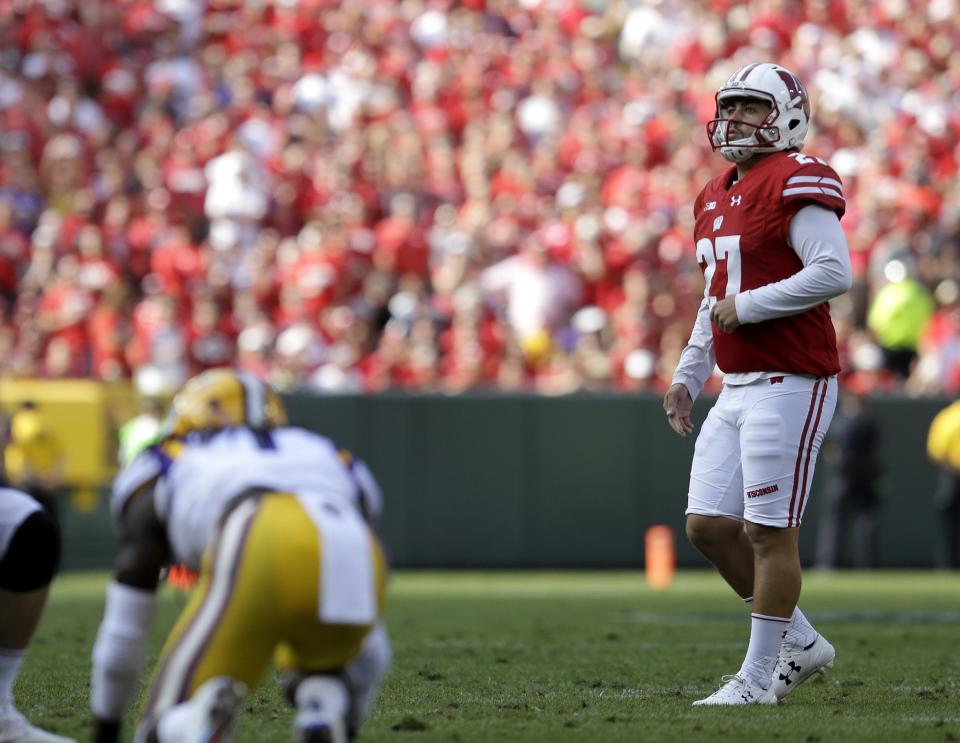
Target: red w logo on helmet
795, 88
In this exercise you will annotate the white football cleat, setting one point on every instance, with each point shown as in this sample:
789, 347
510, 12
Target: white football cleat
322, 703
14, 728
738, 690
209, 716
796, 664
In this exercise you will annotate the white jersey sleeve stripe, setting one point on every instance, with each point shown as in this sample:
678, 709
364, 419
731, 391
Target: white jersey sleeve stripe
813, 189
815, 179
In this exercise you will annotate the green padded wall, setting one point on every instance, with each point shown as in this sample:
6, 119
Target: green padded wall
528, 481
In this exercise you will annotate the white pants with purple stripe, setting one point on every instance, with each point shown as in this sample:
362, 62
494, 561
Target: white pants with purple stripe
757, 449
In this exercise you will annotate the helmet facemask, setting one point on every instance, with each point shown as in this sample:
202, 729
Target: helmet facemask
785, 127
763, 137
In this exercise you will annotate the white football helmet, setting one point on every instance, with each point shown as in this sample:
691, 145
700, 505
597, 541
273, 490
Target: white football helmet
785, 127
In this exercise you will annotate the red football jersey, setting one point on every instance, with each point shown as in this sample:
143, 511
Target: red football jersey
742, 230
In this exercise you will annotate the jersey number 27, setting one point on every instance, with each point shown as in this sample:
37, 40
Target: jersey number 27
720, 260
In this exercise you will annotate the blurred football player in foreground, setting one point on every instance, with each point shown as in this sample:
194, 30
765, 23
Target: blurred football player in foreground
29, 556
277, 521
769, 242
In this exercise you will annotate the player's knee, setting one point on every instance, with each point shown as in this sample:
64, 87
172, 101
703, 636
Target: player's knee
769, 540
33, 555
707, 532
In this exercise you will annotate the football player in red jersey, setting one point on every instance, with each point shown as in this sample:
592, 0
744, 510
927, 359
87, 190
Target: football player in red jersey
769, 241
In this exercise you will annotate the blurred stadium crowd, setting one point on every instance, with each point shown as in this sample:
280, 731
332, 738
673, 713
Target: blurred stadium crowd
438, 195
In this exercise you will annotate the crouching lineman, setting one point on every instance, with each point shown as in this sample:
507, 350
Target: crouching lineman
29, 555
277, 522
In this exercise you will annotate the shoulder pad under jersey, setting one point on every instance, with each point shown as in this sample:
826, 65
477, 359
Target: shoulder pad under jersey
148, 466
811, 180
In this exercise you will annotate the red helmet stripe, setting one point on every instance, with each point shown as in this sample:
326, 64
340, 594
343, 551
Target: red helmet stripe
746, 71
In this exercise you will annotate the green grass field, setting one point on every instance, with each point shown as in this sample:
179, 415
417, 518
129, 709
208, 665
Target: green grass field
588, 657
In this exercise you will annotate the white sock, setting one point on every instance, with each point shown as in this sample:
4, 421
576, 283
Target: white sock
330, 692
766, 635
322, 699
800, 633
10, 661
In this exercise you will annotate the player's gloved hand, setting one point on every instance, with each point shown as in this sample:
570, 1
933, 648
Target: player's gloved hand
678, 405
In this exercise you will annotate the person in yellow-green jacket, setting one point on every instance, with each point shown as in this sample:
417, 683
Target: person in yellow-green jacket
943, 447
897, 316
141, 431
154, 391
34, 459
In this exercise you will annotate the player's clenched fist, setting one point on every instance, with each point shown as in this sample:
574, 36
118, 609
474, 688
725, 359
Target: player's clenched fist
724, 314
678, 404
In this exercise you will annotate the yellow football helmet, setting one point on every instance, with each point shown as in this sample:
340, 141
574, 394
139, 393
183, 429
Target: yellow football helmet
218, 398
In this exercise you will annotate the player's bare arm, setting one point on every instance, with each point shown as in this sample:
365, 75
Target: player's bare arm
120, 648
144, 549
678, 405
